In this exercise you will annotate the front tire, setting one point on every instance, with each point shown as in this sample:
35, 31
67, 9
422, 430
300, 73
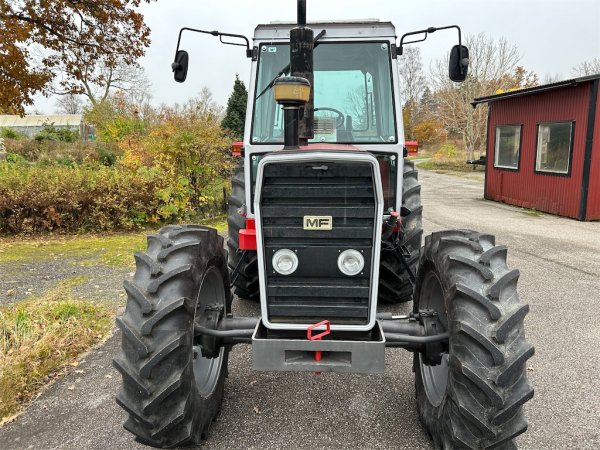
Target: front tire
246, 284
394, 282
474, 398
171, 392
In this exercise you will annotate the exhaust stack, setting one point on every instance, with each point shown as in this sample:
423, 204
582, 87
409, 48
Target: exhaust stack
301, 66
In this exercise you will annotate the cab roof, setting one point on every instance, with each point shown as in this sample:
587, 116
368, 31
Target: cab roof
354, 29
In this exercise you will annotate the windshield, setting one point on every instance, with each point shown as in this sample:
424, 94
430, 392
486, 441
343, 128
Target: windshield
352, 91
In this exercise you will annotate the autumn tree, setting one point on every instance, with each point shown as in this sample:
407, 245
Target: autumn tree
76, 37
190, 144
585, 68
412, 85
493, 65
97, 82
235, 115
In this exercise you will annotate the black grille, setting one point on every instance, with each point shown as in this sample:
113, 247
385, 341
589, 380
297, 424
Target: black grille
318, 290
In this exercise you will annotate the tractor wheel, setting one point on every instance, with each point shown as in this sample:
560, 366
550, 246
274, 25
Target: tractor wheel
171, 392
246, 285
394, 282
474, 398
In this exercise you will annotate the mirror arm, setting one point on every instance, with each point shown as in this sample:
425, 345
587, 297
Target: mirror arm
220, 36
426, 32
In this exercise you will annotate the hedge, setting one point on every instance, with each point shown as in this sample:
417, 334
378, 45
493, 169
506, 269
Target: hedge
37, 198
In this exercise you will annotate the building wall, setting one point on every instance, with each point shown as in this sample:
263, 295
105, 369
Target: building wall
556, 194
31, 131
593, 207
32, 124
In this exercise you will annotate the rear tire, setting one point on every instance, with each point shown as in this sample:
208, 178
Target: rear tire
246, 285
394, 282
170, 391
474, 398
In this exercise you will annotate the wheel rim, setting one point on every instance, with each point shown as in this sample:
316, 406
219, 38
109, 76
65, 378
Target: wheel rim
435, 378
208, 370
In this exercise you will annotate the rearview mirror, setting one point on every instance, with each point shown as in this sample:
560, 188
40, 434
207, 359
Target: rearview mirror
459, 63
180, 66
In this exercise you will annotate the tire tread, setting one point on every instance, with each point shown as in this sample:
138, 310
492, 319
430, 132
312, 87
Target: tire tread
487, 384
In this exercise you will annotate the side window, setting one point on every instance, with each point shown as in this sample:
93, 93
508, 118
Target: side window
554, 147
508, 147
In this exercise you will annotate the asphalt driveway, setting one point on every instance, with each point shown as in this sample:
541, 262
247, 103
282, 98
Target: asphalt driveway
559, 260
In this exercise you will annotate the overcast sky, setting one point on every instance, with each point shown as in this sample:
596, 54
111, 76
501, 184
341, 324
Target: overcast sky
552, 35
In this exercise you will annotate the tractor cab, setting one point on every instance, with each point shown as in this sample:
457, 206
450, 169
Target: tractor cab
355, 86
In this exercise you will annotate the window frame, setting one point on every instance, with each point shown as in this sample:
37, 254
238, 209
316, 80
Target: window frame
512, 169
566, 174
392, 84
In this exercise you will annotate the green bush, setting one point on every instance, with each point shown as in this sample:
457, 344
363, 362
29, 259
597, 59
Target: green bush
50, 133
107, 155
74, 199
38, 198
48, 152
154, 166
8, 133
15, 158
447, 151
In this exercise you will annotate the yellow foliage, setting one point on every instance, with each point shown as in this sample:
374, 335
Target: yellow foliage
429, 132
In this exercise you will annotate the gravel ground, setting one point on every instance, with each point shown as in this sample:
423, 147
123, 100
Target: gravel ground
101, 283
559, 260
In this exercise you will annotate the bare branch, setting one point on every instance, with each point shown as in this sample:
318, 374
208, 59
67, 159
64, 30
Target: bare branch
493, 65
585, 68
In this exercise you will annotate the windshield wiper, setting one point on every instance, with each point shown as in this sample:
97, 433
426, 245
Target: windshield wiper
286, 69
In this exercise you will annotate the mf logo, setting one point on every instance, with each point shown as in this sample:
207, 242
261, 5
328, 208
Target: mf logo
318, 222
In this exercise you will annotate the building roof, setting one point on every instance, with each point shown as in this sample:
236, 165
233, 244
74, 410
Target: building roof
535, 89
63, 120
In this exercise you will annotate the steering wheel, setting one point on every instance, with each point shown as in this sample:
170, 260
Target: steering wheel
340, 118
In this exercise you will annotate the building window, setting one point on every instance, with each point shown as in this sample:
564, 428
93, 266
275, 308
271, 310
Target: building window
508, 147
554, 145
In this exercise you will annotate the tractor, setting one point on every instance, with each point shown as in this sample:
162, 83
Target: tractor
325, 224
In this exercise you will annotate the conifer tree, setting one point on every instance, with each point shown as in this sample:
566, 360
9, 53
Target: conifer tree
235, 116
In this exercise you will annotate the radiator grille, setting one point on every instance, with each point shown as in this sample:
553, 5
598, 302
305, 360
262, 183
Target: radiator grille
318, 290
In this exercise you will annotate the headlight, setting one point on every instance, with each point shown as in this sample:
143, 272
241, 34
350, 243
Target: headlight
351, 262
285, 261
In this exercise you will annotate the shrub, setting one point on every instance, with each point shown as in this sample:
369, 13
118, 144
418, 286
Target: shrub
50, 133
154, 166
190, 146
8, 133
15, 158
107, 155
447, 151
79, 152
35, 198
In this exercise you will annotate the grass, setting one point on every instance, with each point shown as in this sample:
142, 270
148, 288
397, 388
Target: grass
532, 212
448, 165
218, 223
40, 337
114, 250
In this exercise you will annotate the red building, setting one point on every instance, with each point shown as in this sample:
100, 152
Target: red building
543, 148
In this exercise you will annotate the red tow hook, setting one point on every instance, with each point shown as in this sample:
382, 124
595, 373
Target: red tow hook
317, 337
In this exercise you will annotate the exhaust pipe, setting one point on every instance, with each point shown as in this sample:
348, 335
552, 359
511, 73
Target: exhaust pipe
301, 65
301, 13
